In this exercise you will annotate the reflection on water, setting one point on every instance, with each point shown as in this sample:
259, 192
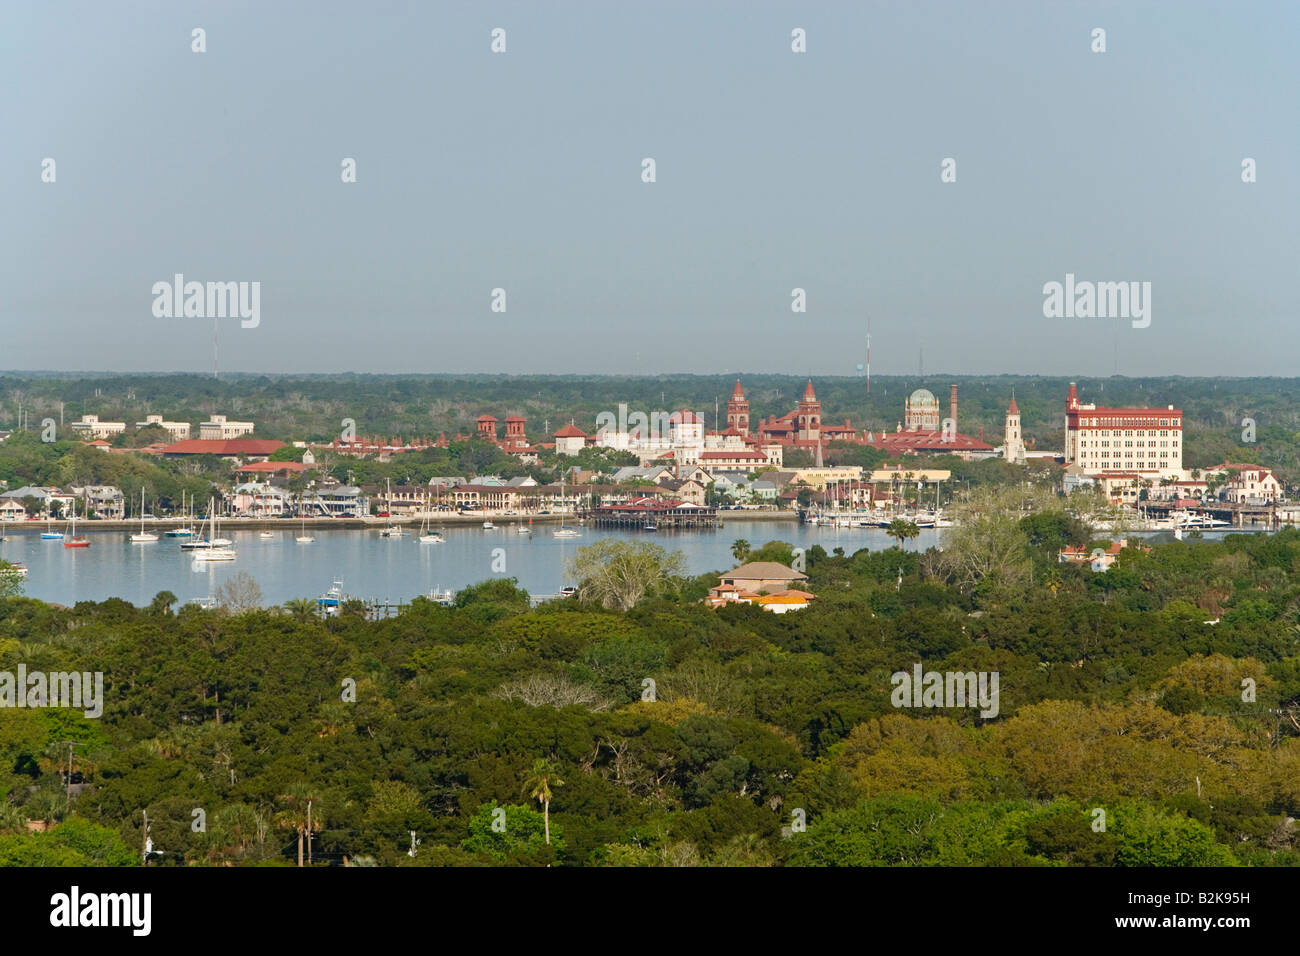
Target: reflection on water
369, 566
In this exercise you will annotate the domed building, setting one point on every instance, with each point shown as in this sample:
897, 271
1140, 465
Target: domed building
921, 411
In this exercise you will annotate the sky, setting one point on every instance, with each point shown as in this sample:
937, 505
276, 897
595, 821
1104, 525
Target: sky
774, 171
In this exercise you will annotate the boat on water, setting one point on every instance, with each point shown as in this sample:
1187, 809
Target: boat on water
650, 526
213, 549
564, 531
333, 598
51, 533
488, 526
215, 554
428, 536
304, 538
184, 531
142, 536
76, 541
524, 529
446, 598
15, 569
393, 530
266, 534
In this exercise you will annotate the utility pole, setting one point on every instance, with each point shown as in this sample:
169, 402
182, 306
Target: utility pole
309, 833
144, 840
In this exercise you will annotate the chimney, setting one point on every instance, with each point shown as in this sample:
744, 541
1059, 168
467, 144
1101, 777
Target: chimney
952, 404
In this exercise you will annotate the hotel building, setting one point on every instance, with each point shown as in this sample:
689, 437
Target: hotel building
1100, 439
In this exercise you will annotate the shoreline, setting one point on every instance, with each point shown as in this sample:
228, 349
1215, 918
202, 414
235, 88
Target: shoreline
89, 526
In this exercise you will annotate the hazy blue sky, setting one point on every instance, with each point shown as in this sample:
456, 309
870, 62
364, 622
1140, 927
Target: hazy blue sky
775, 170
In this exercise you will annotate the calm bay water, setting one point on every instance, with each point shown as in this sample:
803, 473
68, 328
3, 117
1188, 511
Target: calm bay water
369, 566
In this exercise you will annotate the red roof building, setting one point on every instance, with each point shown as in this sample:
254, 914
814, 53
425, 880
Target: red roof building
231, 447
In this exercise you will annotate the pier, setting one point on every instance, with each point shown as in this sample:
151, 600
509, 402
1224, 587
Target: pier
664, 517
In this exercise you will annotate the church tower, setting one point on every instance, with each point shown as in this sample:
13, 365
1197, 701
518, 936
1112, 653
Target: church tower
809, 416
738, 410
1013, 444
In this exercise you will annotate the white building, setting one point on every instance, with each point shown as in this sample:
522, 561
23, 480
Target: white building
570, 440
91, 427
256, 499
1013, 442
1250, 485
179, 431
220, 429
1140, 440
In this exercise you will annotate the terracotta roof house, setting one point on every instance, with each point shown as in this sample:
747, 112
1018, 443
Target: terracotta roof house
768, 576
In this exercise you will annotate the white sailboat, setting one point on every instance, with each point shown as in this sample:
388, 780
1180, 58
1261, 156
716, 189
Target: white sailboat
562, 531
218, 549
427, 536
393, 530
143, 537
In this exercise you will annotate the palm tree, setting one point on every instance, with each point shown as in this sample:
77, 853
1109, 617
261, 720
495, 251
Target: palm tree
162, 603
740, 550
540, 783
300, 802
302, 609
901, 530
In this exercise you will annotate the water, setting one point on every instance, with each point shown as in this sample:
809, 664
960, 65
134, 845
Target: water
369, 566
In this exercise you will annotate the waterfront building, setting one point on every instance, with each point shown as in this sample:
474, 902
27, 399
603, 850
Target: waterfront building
1248, 484
256, 499
1146, 441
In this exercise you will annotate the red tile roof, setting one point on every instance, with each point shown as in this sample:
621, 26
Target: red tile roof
233, 446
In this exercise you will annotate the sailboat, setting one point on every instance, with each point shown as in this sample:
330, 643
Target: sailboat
144, 537
214, 551
304, 538
393, 530
427, 536
51, 533
201, 544
74, 541
183, 531
564, 532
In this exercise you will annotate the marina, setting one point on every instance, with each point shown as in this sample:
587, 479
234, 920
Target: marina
383, 569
